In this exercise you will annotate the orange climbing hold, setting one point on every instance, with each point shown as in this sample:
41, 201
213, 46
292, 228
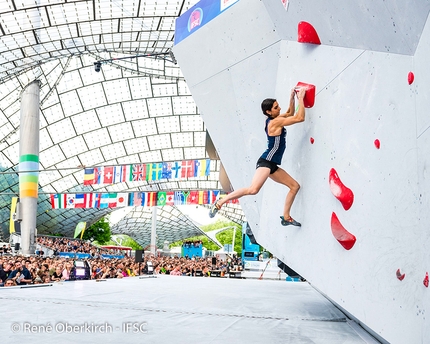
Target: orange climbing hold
345, 238
340, 191
307, 34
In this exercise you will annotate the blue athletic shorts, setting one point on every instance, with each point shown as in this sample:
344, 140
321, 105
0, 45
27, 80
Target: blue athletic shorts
266, 163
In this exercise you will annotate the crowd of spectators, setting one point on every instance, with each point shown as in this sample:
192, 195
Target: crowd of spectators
59, 244
195, 243
20, 270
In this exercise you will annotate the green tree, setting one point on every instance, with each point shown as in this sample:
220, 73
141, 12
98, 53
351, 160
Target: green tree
126, 241
99, 231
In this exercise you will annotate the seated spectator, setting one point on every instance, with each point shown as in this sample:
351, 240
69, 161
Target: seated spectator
57, 276
9, 283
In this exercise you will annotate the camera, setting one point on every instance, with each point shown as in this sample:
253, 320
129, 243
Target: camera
97, 66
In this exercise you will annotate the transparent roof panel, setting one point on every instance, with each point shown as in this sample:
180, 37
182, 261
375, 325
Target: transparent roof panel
134, 110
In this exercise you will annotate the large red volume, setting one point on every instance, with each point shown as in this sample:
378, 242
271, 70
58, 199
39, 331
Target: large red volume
345, 238
307, 33
340, 191
309, 99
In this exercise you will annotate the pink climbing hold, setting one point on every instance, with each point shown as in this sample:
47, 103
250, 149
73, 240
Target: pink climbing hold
426, 280
340, 191
307, 34
377, 144
345, 238
399, 275
411, 78
312, 140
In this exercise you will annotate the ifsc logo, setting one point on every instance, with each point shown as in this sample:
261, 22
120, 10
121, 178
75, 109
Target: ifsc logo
195, 19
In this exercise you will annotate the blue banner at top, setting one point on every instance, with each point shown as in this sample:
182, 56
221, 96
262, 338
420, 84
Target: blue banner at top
198, 15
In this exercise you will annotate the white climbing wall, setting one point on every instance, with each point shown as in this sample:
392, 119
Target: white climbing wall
250, 52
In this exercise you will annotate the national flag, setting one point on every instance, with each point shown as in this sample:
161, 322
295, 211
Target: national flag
181, 197
213, 196
176, 169
139, 172
166, 172
96, 200
89, 176
187, 170
57, 201
135, 199
88, 200
156, 171
107, 174
201, 167
79, 201
205, 167
121, 174
204, 197
193, 197
70, 200
104, 200
161, 198
148, 175
122, 199
98, 172
170, 198
149, 199
112, 200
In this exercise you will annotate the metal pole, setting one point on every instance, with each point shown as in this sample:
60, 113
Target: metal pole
234, 236
154, 231
29, 161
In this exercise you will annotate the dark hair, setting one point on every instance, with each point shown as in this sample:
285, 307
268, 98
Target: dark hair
266, 105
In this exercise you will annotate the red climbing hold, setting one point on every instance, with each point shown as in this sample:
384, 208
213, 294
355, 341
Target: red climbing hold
411, 78
340, 191
426, 280
345, 238
399, 275
307, 34
377, 144
309, 99
312, 140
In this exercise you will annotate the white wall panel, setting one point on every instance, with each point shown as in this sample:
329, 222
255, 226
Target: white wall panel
362, 95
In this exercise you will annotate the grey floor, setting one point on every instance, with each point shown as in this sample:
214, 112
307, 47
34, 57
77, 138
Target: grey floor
170, 309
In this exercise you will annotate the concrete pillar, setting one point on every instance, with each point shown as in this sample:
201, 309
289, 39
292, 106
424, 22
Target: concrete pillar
154, 231
29, 164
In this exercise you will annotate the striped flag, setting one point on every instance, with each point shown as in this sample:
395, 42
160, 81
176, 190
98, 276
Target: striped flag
149, 199
89, 176
201, 167
122, 173
79, 201
58, 201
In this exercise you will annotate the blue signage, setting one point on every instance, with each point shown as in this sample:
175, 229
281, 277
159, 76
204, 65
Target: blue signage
198, 15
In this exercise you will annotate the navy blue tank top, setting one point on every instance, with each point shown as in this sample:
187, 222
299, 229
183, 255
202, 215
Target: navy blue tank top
276, 145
